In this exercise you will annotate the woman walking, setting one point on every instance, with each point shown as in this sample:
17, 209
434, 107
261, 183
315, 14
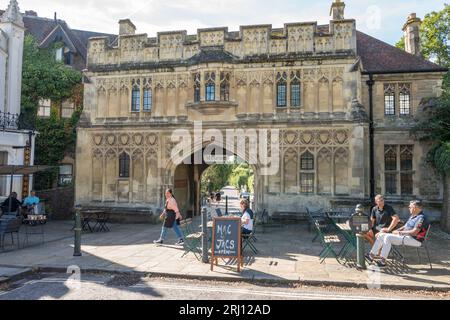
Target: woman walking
172, 217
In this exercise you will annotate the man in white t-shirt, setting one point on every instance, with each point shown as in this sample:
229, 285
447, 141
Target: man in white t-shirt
247, 217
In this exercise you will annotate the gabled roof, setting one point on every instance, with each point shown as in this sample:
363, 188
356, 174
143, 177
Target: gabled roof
379, 57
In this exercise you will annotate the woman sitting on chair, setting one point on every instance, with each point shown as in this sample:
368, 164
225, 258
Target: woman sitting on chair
247, 217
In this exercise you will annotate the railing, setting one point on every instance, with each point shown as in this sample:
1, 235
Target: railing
9, 121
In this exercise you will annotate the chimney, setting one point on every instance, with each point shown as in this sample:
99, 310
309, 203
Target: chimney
126, 27
411, 30
337, 10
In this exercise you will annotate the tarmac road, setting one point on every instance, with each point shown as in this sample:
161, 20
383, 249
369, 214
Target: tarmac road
133, 287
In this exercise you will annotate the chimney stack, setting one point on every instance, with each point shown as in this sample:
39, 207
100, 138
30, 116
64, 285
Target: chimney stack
411, 30
126, 27
337, 10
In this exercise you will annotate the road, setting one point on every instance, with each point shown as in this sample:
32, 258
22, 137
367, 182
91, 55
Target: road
129, 287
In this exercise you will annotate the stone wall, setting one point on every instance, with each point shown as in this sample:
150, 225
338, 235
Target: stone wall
59, 203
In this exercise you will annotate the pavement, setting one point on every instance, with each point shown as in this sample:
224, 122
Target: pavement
286, 255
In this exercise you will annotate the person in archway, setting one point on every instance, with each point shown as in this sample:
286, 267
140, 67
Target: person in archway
247, 217
172, 218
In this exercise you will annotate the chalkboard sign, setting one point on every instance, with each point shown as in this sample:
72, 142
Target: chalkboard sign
226, 240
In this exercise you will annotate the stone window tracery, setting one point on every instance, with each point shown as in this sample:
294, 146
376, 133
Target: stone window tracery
405, 98
136, 96
210, 86
389, 99
307, 173
295, 89
281, 89
197, 85
224, 86
124, 165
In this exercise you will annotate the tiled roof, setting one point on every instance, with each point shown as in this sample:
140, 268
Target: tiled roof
380, 57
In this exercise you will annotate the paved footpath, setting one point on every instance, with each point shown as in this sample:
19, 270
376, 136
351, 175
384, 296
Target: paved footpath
287, 254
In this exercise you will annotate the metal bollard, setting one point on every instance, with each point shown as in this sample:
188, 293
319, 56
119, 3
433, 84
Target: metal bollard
205, 235
360, 259
226, 205
77, 229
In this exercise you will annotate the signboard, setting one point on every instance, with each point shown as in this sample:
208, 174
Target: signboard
226, 240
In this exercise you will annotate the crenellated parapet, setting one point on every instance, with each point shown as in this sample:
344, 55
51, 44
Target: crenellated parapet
302, 39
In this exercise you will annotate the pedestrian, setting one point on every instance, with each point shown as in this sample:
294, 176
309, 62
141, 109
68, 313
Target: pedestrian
412, 234
172, 218
247, 217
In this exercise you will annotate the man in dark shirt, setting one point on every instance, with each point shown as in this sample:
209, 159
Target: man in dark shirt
14, 206
383, 219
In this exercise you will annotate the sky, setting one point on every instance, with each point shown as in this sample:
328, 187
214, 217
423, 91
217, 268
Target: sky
382, 19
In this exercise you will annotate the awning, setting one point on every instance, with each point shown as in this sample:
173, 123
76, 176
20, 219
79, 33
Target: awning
22, 170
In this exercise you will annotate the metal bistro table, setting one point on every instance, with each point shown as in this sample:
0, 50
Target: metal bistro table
97, 217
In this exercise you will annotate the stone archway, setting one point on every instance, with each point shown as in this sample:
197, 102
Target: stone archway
185, 180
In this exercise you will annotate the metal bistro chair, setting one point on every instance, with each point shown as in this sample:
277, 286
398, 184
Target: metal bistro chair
250, 239
10, 226
401, 255
327, 241
192, 239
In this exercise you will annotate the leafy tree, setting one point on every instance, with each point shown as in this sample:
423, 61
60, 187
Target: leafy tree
45, 78
434, 36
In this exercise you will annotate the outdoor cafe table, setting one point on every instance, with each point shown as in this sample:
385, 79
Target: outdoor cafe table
98, 217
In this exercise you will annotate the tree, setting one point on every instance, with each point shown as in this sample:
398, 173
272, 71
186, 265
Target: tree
45, 78
434, 37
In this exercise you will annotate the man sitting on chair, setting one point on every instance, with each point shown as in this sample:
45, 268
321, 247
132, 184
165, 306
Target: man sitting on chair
411, 234
383, 219
30, 202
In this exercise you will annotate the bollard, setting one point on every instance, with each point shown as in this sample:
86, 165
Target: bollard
77, 229
205, 235
360, 259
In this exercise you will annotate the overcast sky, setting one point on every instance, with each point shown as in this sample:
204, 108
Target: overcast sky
380, 18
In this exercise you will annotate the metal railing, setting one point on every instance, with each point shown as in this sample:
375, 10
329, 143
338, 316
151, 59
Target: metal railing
9, 121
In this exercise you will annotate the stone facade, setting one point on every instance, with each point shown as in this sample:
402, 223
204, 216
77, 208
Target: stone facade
11, 52
306, 80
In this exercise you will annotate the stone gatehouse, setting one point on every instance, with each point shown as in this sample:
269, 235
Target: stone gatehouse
318, 84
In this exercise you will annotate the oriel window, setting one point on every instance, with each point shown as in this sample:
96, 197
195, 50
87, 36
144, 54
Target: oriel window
210, 86
197, 84
224, 86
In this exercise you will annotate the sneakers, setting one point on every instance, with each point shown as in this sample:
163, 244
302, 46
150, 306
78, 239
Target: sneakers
381, 263
159, 241
179, 242
369, 257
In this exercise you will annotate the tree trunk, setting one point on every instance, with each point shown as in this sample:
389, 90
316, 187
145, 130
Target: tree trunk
445, 216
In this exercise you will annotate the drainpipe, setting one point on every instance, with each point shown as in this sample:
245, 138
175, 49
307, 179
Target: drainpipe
370, 84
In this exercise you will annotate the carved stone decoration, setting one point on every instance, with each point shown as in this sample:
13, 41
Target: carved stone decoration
152, 139
138, 139
307, 137
340, 136
97, 154
111, 139
357, 111
124, 139
291, 137
324, 137
98, 139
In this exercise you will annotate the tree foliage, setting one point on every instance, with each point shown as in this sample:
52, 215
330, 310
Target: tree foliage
218, 176
45, 78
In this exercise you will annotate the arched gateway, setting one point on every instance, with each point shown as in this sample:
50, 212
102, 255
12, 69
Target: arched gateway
312, 84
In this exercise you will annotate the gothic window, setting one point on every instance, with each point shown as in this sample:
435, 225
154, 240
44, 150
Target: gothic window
389, 99
197, 84
136, 96
148, 99
281, 89
390, 167
295, 89
307, 173
124, 165
224, 86
210, 86
405, 98
406, 167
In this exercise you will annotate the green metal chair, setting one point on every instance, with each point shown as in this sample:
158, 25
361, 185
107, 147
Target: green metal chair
192, 239
327, 241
